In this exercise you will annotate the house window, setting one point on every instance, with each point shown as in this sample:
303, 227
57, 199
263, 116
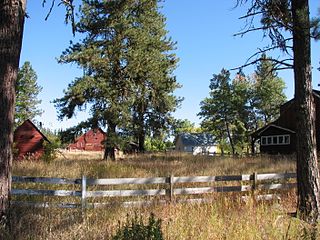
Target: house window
275, 140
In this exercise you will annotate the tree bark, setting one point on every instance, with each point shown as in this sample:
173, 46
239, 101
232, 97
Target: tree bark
307, 166
229, 136
109, 151
141, 128
12, 14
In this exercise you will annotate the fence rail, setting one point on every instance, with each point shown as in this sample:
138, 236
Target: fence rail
165, 188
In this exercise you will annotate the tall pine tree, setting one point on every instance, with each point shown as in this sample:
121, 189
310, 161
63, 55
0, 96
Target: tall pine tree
287, 23
27, 90
128, 68
268, 92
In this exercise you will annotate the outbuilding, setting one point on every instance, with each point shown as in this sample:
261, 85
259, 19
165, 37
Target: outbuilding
92, 140
29, 141
196, 143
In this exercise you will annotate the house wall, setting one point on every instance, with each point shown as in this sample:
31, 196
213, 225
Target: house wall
28, 141
288, 117
210, 150
179, 145
278, 149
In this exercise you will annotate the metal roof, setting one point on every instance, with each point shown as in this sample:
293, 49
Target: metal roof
197, 139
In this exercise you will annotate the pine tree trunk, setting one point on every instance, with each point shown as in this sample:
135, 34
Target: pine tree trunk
12, 13
229, 136
109, 151
307, 167
141, 127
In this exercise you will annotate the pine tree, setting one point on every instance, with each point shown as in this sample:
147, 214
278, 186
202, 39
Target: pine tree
12, 14
151, 65
268, 92
128, 68
218, 109
27, 91
286, 22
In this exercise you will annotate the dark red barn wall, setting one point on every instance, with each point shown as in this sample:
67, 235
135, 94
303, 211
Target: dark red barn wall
90, 141
28, 140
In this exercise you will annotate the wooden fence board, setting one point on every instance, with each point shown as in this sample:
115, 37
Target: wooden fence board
24, 179
276, 176
203, 190
45, 204
170, 190
126, 193
120, 181
277, 186
39, 192
204, 179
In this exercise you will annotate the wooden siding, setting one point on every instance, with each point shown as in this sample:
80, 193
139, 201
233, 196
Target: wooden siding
281, 149
90, 141
288, 119
29, 141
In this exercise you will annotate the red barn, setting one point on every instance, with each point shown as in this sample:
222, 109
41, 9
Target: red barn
28, 140
90, 141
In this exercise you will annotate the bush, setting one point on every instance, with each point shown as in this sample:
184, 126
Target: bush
50, 149
136, 230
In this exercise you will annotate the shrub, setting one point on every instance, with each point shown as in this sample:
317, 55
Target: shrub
137, 230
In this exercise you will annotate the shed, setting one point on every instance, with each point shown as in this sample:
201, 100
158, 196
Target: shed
28, 140
196, 143
92, 140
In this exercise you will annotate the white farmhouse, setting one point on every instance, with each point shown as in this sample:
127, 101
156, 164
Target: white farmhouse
196, 143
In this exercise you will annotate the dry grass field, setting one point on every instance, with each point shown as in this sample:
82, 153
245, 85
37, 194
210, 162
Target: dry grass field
227, 217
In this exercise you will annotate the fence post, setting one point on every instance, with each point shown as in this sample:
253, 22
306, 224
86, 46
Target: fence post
169, 191
83, 194
254, 186
254, 181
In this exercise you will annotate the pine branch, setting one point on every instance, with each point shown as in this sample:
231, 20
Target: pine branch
276, 61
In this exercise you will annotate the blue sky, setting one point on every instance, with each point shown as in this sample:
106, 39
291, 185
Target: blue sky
203, 30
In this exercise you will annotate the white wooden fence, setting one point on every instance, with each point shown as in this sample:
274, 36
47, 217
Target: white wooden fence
163, 189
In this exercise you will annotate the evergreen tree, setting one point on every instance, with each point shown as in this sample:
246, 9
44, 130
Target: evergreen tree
128, 80
231, 112
268, 92
27, 91
105, 85
12, 14
218, 109
286, 22
151, 65
183, 126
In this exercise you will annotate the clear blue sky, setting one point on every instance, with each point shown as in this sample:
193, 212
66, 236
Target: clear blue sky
203, 30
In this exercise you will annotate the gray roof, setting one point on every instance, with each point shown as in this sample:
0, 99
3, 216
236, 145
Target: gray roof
197, 139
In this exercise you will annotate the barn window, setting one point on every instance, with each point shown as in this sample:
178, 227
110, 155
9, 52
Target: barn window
275, 140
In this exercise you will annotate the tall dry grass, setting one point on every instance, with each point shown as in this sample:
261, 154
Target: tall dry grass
227, 217
76, 164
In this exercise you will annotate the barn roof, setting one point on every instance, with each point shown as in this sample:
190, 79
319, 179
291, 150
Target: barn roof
28, 121
197, 139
